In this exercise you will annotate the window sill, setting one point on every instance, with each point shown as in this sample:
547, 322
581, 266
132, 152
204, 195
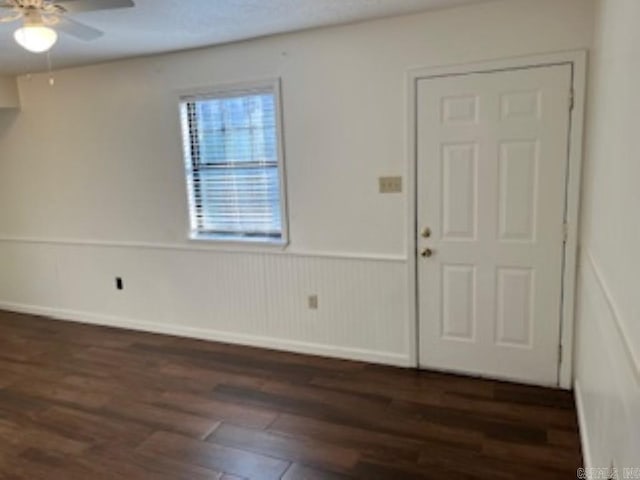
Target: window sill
239, 243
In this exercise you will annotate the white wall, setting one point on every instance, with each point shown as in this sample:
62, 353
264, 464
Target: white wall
91, 182
608, 343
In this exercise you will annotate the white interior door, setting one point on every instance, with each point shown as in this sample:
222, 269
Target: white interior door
492, 166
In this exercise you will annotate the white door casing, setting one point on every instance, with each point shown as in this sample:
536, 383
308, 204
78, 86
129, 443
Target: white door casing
492, 153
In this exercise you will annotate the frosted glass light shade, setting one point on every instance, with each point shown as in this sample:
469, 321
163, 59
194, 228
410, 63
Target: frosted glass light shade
36, 38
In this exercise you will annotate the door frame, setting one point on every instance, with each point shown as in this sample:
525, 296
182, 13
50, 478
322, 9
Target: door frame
577, 59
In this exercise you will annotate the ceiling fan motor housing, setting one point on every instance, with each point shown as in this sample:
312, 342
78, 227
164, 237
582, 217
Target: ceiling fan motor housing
30, 4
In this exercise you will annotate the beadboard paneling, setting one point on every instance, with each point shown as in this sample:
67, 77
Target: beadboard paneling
607, 381
252, 298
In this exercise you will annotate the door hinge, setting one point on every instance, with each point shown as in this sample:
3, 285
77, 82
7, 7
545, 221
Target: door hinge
572, 99
565, 232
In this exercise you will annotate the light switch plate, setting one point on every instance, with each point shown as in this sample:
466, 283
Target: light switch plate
390, 184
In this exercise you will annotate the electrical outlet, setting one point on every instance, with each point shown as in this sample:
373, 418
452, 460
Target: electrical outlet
390, 184
119, 283
313, 302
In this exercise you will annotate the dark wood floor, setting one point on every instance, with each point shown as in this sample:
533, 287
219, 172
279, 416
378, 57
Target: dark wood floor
92, 403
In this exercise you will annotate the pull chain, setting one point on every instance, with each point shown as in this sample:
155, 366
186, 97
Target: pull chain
52, 80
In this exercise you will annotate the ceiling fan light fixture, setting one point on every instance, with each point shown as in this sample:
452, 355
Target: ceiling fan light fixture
36, 38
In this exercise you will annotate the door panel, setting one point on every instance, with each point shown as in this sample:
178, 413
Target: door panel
459, 200
491, 165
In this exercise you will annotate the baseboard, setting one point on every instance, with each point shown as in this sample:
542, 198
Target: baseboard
371, 356
582, 426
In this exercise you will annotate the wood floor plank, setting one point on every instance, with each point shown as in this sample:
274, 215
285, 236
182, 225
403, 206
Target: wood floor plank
304, 472
491, 426
53, 392
94, 428
161, 418
228, 412
134, 465
376, 419
216, 457
376, 444
27, 436
547, 455
309, 451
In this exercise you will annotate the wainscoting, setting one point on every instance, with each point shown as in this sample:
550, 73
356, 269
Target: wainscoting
607, 384
258, 299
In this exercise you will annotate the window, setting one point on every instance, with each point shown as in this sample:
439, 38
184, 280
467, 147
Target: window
234, 165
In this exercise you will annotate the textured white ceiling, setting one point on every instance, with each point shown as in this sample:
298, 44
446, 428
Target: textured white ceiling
155, 26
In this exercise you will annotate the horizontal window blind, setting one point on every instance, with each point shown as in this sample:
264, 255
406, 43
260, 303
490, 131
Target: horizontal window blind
233, 169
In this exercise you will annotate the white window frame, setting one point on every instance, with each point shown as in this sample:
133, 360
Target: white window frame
235, 90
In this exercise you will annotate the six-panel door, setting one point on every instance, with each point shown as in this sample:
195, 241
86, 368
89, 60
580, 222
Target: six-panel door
491, 166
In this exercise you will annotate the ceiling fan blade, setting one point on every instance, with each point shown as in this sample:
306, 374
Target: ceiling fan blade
77, 29
9, 16
77, 6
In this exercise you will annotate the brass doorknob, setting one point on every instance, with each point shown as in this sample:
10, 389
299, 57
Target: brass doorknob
426, 232
426, 252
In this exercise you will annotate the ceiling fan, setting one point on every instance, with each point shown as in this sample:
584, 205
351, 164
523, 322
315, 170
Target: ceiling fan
42, 19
